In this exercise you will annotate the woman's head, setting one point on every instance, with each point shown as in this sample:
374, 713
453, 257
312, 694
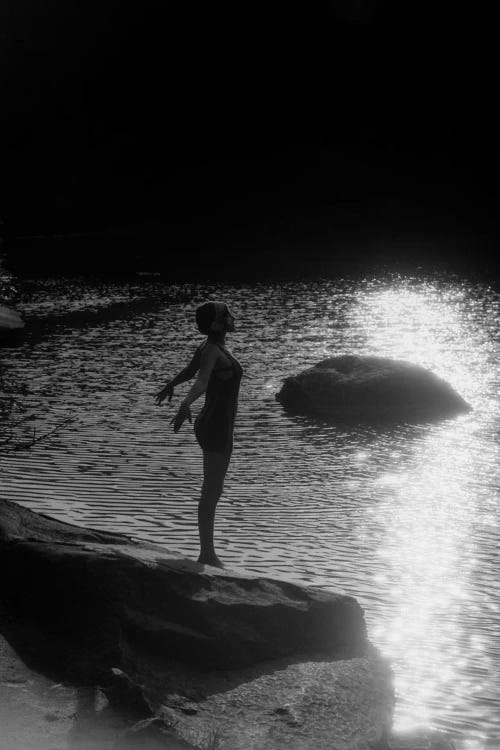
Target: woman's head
214, 318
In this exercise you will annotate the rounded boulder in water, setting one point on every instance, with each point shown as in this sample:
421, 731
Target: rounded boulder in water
369, 390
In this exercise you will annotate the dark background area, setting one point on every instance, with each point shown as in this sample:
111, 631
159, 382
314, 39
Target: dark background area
256, 137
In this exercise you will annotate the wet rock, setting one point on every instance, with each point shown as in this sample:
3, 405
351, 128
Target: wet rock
370, 390
299, 705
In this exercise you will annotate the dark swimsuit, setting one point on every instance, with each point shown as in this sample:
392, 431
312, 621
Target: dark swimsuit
214, 424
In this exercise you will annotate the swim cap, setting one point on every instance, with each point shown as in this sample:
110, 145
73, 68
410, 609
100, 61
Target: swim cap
209, 313
220, 311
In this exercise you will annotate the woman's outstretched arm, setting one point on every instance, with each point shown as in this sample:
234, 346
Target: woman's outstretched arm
207, 362
186, 373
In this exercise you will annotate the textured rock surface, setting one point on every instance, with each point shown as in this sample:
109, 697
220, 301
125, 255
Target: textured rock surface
150, 734
370, 389
87, 591
311, 705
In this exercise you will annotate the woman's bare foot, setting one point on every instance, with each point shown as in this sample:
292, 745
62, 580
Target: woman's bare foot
212, 560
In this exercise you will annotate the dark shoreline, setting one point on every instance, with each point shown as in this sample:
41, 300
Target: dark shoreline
143, 257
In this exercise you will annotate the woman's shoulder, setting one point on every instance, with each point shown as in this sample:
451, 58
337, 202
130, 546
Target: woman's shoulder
211, 350
204, 346
208, 349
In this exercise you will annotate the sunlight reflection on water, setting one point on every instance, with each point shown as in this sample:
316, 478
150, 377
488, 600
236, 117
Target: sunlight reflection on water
428, 550
404, 518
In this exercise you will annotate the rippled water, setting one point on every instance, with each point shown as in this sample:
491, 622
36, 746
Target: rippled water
405, 519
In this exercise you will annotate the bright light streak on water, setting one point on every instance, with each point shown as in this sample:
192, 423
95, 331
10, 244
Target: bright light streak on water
405, 519
428, 550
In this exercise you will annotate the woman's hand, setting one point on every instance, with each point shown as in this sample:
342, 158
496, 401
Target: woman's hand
181, 416
166, 392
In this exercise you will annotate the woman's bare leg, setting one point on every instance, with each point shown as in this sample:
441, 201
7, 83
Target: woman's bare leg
214, 472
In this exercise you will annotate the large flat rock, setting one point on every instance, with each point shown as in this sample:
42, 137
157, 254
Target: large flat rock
370, 390
258, 662
88, 589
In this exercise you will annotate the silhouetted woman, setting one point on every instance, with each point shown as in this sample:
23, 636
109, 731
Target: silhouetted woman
219, 376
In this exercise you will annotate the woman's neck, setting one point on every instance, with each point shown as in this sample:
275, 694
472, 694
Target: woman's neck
217, 338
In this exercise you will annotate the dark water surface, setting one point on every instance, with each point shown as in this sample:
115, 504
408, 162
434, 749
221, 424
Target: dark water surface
405, 519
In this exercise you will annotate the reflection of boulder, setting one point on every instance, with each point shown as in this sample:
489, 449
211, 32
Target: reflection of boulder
264, 662
370, 389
